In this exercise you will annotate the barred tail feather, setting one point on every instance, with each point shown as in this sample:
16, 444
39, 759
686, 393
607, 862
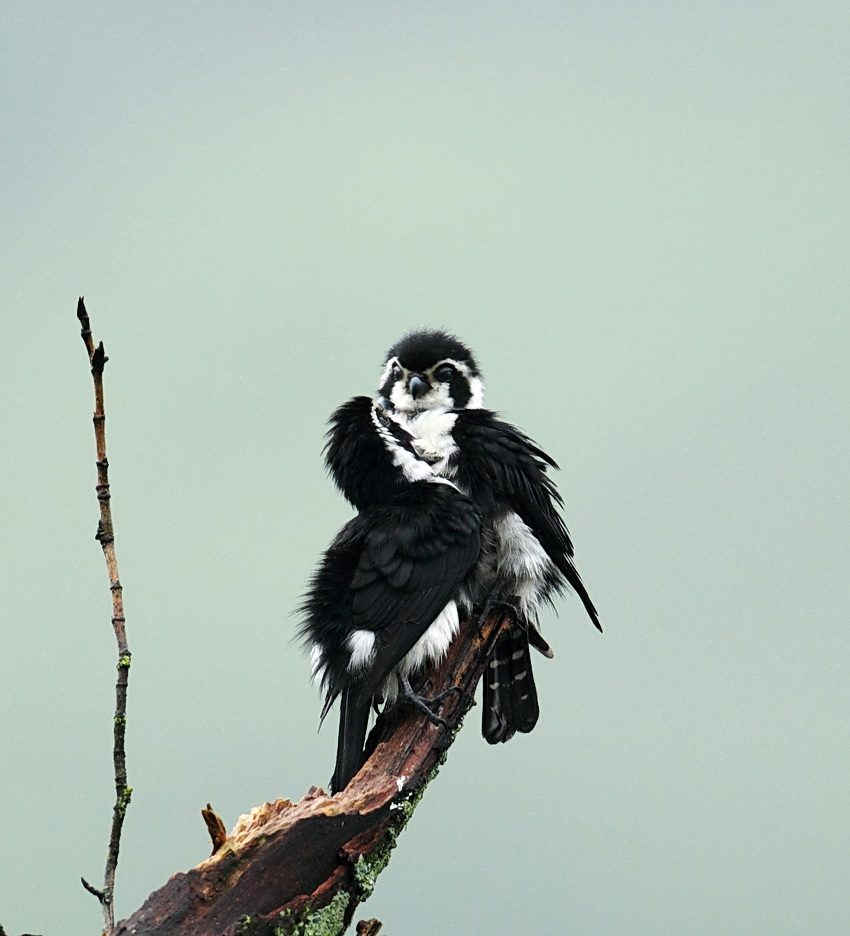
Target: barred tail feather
510, 696
496, 714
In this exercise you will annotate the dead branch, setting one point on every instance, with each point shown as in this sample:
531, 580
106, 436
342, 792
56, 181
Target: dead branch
304, 867
105, 536
215, 827
369, 927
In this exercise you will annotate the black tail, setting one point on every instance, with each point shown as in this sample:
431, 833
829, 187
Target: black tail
510, 696
353, 722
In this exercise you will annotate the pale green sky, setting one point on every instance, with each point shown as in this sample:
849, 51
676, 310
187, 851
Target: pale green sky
639, 217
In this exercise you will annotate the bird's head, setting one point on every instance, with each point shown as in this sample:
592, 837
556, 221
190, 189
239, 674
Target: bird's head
429, 370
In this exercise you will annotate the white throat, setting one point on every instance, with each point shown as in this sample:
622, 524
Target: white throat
432, 435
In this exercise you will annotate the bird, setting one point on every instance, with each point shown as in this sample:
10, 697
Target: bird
390, 591
431, 386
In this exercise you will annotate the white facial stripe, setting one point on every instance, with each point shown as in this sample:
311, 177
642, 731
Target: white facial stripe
401, 398
476, 384
476, 390
438, 396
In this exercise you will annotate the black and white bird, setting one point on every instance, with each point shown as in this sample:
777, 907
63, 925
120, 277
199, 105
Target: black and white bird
431, 387
390, 591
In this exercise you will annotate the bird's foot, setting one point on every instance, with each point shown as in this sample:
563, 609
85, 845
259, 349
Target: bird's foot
427, 704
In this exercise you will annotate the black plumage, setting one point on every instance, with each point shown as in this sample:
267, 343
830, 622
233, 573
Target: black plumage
429, 369
421, 349
505, 474
432, 388
510, 695
384, 600
365, 454
503, 471
391, 572
456, 508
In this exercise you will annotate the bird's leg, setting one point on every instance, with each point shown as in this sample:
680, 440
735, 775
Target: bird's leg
425, 703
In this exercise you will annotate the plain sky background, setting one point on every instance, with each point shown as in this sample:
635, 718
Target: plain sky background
638, 215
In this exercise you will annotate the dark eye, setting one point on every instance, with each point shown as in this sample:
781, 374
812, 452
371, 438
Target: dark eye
396, 370
444, 373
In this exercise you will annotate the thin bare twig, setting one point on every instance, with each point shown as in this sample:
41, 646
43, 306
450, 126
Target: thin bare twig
105, 536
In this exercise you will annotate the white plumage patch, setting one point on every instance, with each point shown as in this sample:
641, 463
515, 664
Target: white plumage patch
434, 643
522, 561
476, 389
430, 648
317, 663
432, 435
361, 643
401, 398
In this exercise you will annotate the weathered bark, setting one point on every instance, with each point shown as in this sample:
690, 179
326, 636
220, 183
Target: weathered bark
304, 867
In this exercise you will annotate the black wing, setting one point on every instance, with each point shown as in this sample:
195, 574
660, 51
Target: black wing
359, 460
500, 466
390, 570
416, 555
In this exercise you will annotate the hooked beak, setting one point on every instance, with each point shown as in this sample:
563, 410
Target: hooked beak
417, 386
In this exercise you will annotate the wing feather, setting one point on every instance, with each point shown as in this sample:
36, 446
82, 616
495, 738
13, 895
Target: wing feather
501, 466
414, 559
